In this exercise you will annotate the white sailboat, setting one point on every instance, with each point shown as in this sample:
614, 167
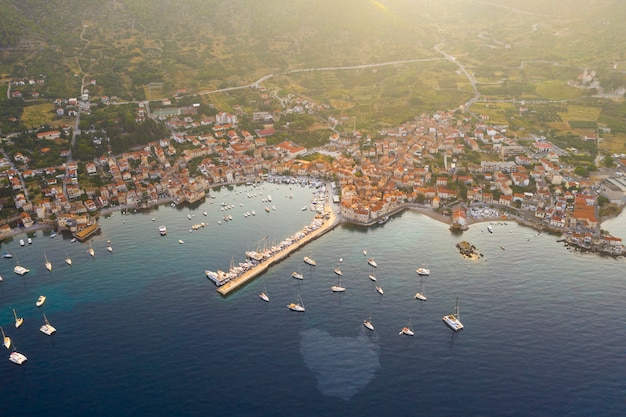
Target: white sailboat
109, 247
297, 274
372, 262
379, 289
452, 320
47, 328
68, 260
372, 277
91, 251
368, 324
6, 340
422, 271
309, 261
48, 263
297, 306
338, 287
18, 320
421, 295
263, 296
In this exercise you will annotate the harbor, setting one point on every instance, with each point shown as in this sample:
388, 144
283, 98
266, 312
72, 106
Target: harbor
318, 227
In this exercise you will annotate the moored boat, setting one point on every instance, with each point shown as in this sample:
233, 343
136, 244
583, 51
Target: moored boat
47, 328
162, 230
368, 324
379, 289
407, 331
297, 306
20, 270
452, 320
6, 340
422, 271
18, 320
22, 243
263, 296
7, 255
309, 261
372, 262
17, 358
40, 300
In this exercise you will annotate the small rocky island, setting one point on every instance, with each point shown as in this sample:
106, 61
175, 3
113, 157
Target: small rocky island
467, 250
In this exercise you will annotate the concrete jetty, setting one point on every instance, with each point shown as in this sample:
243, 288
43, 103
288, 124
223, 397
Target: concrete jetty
330, 222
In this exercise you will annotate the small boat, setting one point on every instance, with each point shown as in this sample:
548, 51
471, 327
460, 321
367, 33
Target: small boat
422, 271
372, 277
364, 252
1, 279
40, 300
7, 255
338, 271
490, 229
73, 240
20, 270
68, 261
338, 287
297, 306
91, 251
53, 234
109, 247
309, 261
263, 296
22, 243
368, 324
18, 320
267, 209
30, 241
17, 358
383, 220
154, 219
6, 340
253, 213
297, 275
180, 241
452, 320
372, 262
162, 230
47, 328
502, 247
48, 263
379, 289
189, 216
407, 331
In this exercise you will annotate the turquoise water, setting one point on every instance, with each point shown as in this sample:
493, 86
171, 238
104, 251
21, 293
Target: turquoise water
141, 331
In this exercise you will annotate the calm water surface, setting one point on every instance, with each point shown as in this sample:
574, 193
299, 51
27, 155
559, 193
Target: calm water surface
141, 331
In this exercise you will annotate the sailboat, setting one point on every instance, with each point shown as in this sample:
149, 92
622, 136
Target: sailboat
368, 324
263, 296
47, 328
68, 260
379, 289
422, 271
297, 274
452, 320
309, 261
18, 320
338, 287
48, 264
91, 251
109, 247
420, 295
407, 331
5, 339
372, 262
338, 270
372, 276
297, 306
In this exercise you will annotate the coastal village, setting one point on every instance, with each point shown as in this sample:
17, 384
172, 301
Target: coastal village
421, 163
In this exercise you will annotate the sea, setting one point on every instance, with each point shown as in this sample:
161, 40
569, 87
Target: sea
141, 331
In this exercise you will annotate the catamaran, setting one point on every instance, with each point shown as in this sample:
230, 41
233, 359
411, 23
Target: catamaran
47, 328
17, 358
452, 320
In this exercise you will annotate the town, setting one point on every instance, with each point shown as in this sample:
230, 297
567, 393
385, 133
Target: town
447, 162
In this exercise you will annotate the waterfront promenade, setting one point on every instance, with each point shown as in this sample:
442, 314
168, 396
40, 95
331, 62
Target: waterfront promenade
331, 220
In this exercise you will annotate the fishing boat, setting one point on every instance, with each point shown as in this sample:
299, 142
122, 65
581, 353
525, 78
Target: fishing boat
372, 262
91, 251
309, 261
48, 263
18, 320
47, 328
422, 271
452, 320
6, 340
40, 300
368, 324
407, 331
297, 306
17, 358
263, 296
379, 289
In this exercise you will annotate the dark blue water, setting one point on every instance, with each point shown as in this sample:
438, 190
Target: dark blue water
142, 331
